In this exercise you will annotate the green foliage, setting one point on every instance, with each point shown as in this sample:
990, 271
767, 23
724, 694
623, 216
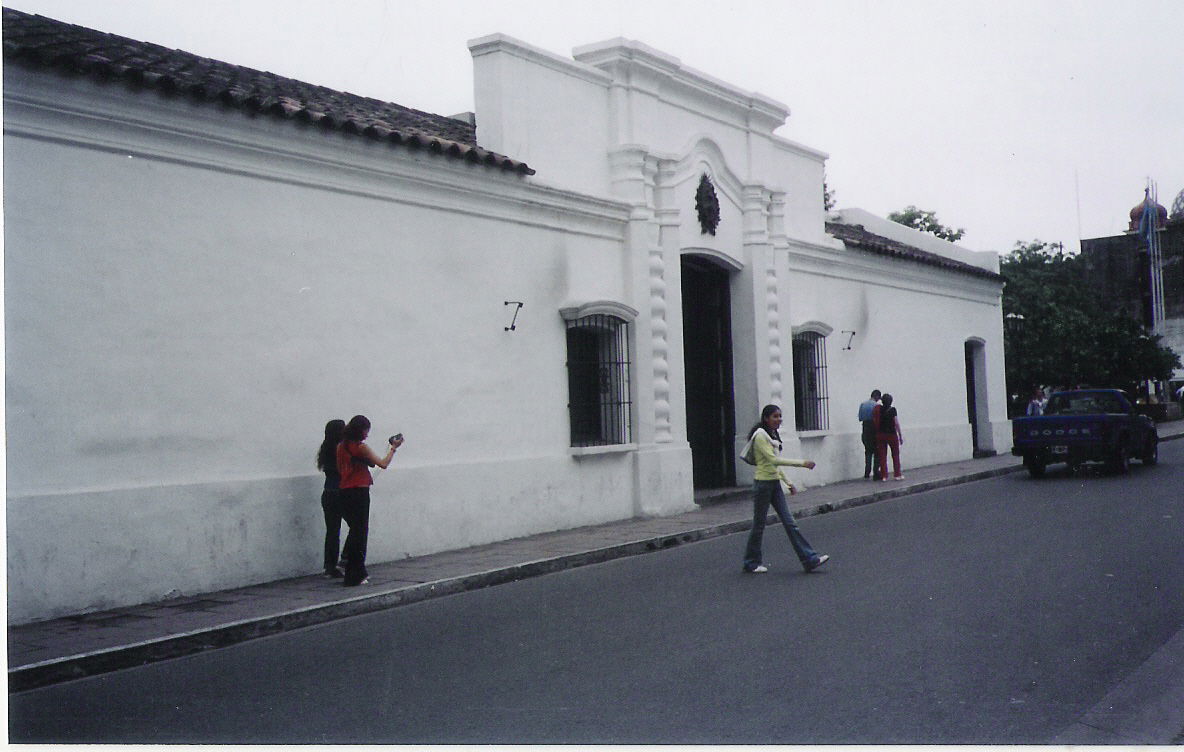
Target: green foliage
926, 221
828, 196
1057, 332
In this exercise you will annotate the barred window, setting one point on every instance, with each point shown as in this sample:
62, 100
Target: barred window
809, 379
598, 380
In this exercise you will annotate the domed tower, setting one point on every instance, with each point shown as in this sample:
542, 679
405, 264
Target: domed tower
1161, 214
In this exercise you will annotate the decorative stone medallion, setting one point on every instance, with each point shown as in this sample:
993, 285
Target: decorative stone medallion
707, 205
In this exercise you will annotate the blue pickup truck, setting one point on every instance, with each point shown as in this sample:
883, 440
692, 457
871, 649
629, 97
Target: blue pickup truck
1085, 425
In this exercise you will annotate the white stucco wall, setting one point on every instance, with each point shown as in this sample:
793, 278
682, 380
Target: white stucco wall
191, 294
188, 303
911, 324
562, 115
547, 111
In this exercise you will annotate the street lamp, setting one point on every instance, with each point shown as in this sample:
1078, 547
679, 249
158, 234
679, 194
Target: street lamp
1013, 325
1013, 322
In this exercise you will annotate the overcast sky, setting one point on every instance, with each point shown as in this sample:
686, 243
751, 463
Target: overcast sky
1015, 120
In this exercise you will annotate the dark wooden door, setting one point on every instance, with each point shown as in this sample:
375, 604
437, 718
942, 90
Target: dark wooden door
971, 399
707, 352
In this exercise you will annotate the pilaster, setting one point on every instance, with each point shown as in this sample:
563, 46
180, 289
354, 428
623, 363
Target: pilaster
663, 478
630, 178
633, 179
670, 405
766, 309
774, 295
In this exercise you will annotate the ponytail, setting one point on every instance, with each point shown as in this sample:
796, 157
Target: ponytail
327, 454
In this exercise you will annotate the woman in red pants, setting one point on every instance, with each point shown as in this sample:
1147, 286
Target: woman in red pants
888, 436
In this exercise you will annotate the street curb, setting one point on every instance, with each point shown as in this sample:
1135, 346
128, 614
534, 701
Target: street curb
895, 493
58, 670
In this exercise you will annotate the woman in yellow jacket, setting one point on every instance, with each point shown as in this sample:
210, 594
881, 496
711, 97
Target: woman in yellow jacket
766, 446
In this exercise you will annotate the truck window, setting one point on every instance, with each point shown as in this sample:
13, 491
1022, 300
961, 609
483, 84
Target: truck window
1084, 404
1059, 404
1109, 406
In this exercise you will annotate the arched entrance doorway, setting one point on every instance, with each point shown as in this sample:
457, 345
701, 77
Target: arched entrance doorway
976, 398
707, 354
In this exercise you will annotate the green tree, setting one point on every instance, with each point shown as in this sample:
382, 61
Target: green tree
828, 196
926, 221
1056, 333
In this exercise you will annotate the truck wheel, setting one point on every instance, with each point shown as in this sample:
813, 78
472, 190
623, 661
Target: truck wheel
1151, 453
1035, 467
1120, 461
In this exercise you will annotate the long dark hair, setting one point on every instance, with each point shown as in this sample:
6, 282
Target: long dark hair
765, 413
357, 428
327, 454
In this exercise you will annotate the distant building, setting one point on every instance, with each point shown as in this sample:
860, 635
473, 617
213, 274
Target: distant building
573, 303
1119, 268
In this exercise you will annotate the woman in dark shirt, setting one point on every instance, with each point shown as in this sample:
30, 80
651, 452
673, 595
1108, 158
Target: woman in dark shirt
331, 496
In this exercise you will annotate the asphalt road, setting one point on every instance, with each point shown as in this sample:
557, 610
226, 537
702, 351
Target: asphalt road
995, 612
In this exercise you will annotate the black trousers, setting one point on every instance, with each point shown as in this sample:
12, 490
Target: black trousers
871, 461
331, 506
355, 510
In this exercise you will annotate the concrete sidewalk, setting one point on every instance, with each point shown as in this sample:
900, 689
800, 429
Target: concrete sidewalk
73, 647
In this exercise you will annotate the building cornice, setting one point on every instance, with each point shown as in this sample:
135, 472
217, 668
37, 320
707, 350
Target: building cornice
506, 44
113, 119
632, 62
855, 265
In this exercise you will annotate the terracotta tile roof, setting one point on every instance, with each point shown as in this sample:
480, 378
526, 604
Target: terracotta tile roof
45, 43
855, 235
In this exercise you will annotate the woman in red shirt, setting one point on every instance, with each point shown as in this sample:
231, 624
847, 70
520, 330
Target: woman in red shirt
888, 437
354, 460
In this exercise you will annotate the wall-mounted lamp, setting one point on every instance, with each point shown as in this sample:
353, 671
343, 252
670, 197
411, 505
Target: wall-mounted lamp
849, 339
514, 323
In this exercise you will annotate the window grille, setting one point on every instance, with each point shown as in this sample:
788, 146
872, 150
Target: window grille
598, 380
811, 401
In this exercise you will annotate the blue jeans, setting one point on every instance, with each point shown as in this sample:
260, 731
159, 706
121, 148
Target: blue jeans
766, 492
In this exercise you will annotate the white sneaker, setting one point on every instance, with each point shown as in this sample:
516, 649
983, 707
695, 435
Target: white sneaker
759, 569
822, 559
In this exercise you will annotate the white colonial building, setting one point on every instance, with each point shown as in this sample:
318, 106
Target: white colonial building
204, 264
